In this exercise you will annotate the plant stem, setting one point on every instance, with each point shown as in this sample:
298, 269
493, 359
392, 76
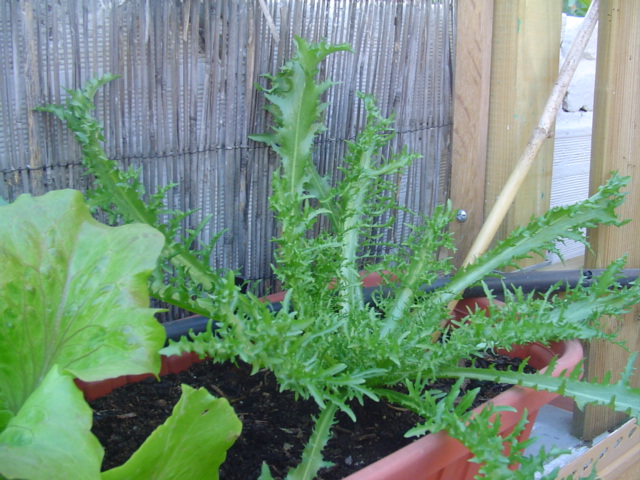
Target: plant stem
405, 295
351, 233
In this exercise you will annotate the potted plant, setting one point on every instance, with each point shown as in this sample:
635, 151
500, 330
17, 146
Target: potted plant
327, 341
431, 453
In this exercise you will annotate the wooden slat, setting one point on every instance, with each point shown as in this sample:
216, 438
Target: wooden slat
471, 119
615, 146
33, 95
616, 457
525, 57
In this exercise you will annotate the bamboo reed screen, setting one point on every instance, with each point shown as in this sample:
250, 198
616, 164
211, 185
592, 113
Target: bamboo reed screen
186, 103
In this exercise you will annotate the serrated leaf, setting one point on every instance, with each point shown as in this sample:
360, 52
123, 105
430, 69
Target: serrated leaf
619, 396
542, 232
297, 110
119, 193
312, 459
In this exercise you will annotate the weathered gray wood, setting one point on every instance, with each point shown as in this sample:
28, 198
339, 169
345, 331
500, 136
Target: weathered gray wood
186, 103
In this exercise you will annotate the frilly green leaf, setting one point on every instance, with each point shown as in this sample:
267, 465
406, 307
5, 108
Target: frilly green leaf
190, 445
50, 437
73, 292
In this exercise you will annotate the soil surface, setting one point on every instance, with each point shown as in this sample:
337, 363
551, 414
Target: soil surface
275, 425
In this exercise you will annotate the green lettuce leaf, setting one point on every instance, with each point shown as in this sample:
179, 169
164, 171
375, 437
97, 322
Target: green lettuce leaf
190, 445
50, 437
73, 303
72, 292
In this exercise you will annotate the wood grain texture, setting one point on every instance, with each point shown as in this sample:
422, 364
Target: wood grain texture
524, 68
616, 457
615, 146
471, 119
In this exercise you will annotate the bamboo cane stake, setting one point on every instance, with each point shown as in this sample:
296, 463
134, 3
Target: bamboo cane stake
536, 140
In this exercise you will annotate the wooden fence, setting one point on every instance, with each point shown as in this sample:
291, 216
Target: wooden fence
186, 102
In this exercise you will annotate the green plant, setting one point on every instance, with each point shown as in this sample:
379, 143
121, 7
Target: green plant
328, 343
74, 304
577, 8
183, 276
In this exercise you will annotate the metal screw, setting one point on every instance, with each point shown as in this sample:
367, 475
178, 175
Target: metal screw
461, 216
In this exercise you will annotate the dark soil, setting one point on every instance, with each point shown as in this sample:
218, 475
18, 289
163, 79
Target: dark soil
275, 426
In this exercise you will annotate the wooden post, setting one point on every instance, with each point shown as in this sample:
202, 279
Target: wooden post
525, 58
615, 146
33, 94
470, 119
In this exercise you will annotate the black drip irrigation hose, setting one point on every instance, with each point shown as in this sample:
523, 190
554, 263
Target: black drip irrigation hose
529, 281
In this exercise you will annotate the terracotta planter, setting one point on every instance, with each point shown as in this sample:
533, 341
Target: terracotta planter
433, 457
